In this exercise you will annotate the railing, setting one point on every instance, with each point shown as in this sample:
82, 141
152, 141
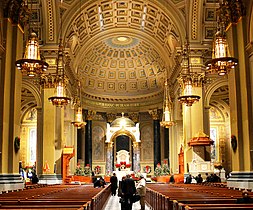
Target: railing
98, 201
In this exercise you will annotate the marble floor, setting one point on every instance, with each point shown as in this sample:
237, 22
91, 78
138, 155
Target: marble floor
113, 204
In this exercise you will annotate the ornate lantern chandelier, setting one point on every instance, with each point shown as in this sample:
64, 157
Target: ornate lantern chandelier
187, 80
31, 63
167, 107
79, 123
221, 62
61, 81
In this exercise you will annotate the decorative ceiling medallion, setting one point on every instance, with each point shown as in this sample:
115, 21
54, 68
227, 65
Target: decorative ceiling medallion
122, 42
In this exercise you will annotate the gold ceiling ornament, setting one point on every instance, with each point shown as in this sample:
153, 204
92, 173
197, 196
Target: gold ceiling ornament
31, 63
61, 80
167, 107
79, 123
222, 63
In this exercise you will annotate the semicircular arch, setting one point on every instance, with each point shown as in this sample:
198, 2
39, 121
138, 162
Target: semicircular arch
210, 90
122, 132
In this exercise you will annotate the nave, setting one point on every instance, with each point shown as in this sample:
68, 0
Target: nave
160, 196
113, 204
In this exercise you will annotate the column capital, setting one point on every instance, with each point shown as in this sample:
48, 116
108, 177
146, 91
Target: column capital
154, 114
134, 116
110, 144
90, 114
136, 145
110, 117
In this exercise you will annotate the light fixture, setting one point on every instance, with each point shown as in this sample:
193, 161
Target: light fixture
61, 79
79, 123
188, 80
31, 63
221, 62
167, 107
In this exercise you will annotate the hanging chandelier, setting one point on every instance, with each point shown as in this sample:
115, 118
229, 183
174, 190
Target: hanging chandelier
31, 63
79, 123
188, 80
61, 80
222, 63
167, 107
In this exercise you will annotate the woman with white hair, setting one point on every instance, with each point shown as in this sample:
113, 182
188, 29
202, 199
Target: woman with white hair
141, 190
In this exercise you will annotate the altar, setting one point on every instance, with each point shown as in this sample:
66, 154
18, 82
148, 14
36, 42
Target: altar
120, 174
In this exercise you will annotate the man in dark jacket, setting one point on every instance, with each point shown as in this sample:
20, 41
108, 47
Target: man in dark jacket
114, 184
128, 189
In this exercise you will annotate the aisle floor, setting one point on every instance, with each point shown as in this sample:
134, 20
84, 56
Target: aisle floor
113, 204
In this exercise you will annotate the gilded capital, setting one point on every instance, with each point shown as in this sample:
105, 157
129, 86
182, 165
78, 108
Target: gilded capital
136, 145
134, 116
90, 114
110, 117
154, 113
109, 145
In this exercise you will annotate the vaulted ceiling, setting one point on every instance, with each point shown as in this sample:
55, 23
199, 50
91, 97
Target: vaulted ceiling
122, 50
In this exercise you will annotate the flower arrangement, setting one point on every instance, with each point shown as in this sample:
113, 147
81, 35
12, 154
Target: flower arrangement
87, 170
17, 143
158, 170
82, 172
162, 170
122, 165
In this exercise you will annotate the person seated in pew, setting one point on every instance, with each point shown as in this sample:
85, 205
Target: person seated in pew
245, 198
34, 178
188, 179
172, 179
99, 182
199, 178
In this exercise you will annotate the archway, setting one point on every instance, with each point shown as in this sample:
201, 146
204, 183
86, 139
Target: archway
123, 138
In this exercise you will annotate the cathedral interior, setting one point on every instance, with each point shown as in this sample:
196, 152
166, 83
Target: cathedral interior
139, 84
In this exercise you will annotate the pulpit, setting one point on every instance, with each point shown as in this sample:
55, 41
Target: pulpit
181, 160
67, 154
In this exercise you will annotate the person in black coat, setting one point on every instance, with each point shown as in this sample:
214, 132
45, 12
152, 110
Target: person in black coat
128, 190
245, 198
114, 184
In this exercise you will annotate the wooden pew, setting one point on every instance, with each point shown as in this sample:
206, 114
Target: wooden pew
191, 194
56, 196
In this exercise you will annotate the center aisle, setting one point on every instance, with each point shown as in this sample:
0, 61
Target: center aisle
113, 204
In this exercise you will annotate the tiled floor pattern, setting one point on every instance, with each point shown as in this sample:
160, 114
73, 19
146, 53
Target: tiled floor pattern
113, 204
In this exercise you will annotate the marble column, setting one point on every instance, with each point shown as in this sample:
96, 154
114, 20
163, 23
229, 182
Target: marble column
240, 101
167, 145
88, 138
49, 138
157, 140
10, 100
136, 157
109, 158
80, 144
39, 163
